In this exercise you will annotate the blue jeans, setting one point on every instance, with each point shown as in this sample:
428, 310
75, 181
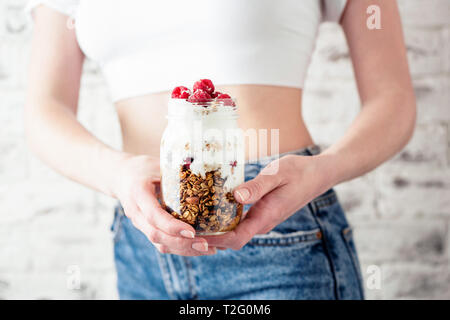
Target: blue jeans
311, 255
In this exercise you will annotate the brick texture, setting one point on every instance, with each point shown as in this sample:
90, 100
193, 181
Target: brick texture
50, 227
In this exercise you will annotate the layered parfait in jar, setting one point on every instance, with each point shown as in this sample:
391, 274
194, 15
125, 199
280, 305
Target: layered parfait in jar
202, 159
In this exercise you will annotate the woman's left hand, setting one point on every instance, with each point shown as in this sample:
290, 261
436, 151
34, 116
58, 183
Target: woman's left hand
279, 190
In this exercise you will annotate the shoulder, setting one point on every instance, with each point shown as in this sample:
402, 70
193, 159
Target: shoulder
66, 7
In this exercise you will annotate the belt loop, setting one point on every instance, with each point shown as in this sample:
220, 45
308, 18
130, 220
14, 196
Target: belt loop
313, 150
120, 209
313, 207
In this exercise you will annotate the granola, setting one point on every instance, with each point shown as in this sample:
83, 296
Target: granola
204, 203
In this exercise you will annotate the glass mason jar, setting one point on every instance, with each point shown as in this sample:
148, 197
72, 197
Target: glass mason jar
202, 161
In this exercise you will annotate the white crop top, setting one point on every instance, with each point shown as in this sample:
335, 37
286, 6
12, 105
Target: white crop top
145, 46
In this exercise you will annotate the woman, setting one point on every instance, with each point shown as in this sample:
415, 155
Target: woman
258, 52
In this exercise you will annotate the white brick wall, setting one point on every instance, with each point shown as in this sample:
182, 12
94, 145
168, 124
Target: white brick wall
400, 212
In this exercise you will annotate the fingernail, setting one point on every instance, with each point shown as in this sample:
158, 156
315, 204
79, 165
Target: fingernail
200, 246
187, 234
243, 194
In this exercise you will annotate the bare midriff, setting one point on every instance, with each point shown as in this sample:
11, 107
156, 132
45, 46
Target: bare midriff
143, 118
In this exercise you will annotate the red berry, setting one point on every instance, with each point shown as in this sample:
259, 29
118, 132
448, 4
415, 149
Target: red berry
227, 99
205, 85
181, 93
233, 163
199, 96
187, 163
188, 160
185, 94
215, 94
223, 96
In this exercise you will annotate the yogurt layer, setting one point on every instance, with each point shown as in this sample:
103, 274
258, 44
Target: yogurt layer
206, 138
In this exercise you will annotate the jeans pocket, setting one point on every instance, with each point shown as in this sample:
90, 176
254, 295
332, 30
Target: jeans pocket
274, 238
116, 226
347, 235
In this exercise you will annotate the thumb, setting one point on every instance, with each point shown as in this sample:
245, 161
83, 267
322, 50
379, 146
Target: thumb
253, 190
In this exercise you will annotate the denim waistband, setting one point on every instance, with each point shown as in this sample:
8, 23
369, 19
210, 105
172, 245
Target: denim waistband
307, 151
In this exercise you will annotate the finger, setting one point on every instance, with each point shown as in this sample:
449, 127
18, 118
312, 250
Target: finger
140, 223
273, 209
130, 209
253, 190
165, 249
167, 243
243, 233
165, 222
172, 244
262, 216
160, 218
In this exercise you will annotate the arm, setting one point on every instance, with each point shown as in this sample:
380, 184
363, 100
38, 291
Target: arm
387, 119
55, 135
382, 128
52, 130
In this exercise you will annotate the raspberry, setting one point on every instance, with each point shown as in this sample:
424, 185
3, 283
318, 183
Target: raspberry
187, 163
181, 93
223, 96
215, 94
228, 101
199, 96
205, 85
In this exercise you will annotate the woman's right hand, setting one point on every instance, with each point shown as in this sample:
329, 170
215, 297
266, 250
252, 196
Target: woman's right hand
136, 188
